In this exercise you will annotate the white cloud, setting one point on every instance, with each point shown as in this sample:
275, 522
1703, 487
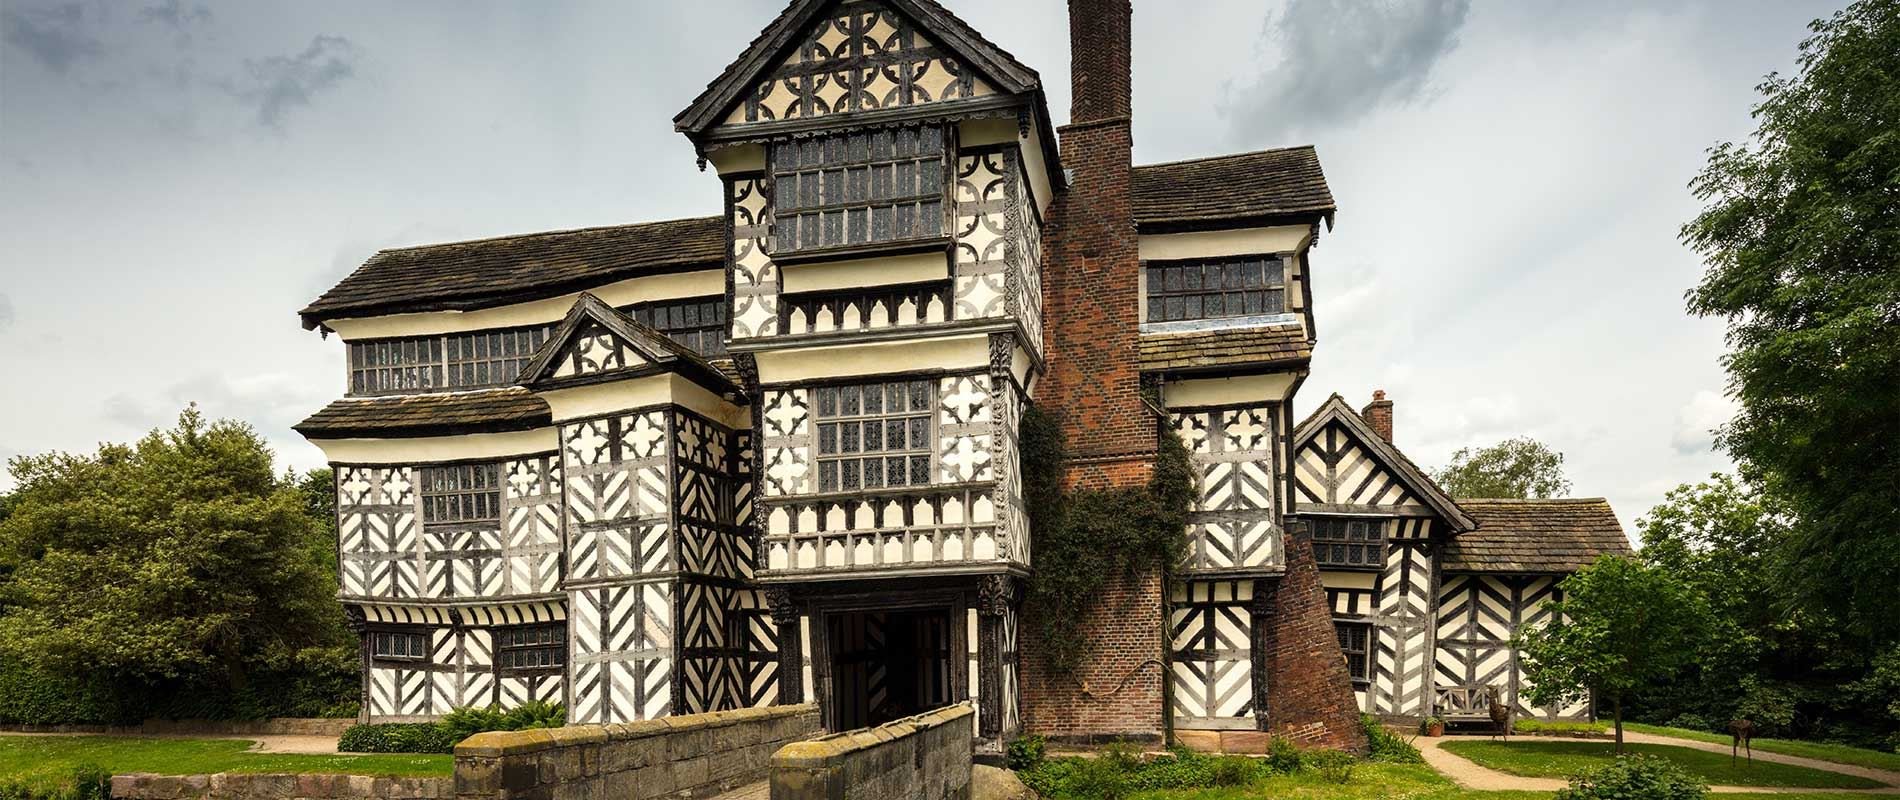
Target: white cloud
1697, 420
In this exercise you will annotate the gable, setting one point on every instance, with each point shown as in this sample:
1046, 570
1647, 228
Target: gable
594, 350
857, 56
1335, 468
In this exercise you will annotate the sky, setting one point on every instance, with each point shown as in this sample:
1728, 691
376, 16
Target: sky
178, 178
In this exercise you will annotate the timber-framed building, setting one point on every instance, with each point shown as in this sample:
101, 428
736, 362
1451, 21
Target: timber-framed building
771, 456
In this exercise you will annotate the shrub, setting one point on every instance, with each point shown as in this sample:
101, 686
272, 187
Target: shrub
467, 721
1118, 771
1634, 778
1333, 765
85, 782
1384, 745
1026, 752
1282, 757
535, 714
397, 737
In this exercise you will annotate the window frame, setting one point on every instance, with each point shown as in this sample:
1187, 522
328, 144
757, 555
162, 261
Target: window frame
645, 312
419, 635
926, 450
1155, 291
1374, 543
505, 649
1341, 630
483, 483
434, 367
789, 176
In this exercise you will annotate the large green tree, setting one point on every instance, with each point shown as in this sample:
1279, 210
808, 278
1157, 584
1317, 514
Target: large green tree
1520, 467
177, 568
1801, 235
1621, 625
1786, 666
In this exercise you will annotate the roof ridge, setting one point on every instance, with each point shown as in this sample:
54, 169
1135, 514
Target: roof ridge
1200, 159
557, 232
1533, 500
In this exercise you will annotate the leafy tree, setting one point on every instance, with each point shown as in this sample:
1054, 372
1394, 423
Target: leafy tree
1520, 467
178, 568
1620, 625
1801, 235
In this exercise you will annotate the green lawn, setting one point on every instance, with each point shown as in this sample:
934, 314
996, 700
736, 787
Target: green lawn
1561, 759
51, 759
1406, 781
1837, 753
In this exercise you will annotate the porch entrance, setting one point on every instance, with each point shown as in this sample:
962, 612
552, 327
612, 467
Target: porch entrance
887, 665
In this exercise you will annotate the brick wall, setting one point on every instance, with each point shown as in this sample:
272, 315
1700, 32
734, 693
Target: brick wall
1116, 693
1309, 691
1092, 288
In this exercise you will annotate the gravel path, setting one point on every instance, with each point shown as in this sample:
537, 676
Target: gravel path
1470, 775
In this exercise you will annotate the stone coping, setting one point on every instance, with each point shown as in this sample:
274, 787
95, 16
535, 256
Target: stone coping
497, 744
824, 750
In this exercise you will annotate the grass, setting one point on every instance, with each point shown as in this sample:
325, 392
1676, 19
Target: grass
49, 760
1370, 781
1562, 759
1560, 727
1824, 751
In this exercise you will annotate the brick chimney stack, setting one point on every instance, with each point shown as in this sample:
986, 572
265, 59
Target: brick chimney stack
1378, 414
1092, 291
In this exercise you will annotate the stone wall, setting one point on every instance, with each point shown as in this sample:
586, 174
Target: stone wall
689, 756
232, 786
279, 726
925, 757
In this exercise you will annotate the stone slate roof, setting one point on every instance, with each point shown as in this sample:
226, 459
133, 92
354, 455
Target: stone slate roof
1534, 536
488, 272
1225, 347
1286, 182
487, 411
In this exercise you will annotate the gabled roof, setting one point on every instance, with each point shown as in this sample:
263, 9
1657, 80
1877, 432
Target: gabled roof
1264, 185
782, 34
511, 269
1535, 536
1335, 410
433, 414
661, 353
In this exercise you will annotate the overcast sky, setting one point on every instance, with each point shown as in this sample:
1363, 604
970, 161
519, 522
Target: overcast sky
177, 179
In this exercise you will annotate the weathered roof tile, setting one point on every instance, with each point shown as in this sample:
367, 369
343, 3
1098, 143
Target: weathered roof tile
491, 410
1534, 536
1267, 183
1226, 347
484, 272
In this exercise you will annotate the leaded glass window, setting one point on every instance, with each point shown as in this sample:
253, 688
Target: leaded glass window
875, 435
698, 323
461, 493
858, 188
472, 360
1239, 286
531, 647
1355, 643
399, 645
1348, 542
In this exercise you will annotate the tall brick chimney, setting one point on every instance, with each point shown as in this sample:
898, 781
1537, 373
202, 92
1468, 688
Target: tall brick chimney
1378, 414
1092, 290
1091, 338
